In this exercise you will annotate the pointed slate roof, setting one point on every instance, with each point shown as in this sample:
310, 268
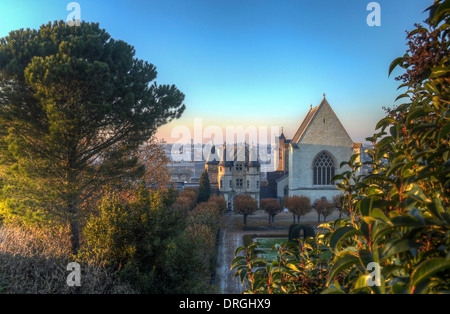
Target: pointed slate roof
306, 121
310, 117
225, 159
253, 158
212, 158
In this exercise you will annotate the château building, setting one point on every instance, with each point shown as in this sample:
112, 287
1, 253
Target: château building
305, 163
234, 170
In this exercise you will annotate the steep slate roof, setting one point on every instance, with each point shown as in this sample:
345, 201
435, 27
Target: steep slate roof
306, 121
309, 118
238, 154
252, 160
224, 161
211, 159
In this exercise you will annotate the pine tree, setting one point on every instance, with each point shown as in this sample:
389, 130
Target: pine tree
75, 106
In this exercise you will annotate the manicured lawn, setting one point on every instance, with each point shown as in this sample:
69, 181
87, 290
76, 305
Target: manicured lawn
269, 242
266, 244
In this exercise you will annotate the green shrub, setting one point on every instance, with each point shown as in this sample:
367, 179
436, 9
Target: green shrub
296, 229
400, 212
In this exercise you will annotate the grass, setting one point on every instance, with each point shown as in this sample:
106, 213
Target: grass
270, 242
266, 245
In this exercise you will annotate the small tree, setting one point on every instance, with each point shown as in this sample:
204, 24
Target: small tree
245, 205
219, 202
272, 207
204, 188
189, 196
298, 206
328, 210
321, 205
337, 203
155, 160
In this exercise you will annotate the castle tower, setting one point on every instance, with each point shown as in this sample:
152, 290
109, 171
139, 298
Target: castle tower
225, 177
253, 175
281, 153
212, 166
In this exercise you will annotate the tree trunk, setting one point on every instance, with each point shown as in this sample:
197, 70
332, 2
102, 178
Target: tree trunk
245, 221
75, 236
72, 204
298, 219
273, 219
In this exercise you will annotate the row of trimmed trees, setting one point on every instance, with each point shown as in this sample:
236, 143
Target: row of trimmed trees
301, 206
298, 205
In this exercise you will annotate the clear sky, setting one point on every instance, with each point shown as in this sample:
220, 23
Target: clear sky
254, 62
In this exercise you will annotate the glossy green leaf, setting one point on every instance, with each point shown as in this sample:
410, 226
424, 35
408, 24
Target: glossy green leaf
394, 247
341, 264
394, 64
426, 270
341, 234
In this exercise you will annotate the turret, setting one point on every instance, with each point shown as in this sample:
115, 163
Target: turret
225, 171
281, 152
212, 165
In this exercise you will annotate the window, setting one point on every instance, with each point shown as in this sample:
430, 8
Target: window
238, 183
231, 184
286, 190
257, 184
323, 169
221, 184
248, 184
239, 167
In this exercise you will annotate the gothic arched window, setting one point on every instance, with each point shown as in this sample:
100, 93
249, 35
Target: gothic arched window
323, 169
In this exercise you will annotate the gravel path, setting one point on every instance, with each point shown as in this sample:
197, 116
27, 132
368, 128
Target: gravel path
229, 241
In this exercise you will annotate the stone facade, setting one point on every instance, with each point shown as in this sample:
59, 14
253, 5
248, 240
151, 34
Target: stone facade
238, 172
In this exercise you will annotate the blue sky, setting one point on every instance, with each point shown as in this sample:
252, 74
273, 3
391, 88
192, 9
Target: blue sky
248, 62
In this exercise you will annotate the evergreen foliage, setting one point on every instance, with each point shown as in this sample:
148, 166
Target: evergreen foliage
75, 105
399, 214
204, 188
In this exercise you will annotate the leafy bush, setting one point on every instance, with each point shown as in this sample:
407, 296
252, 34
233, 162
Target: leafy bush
399, 214
219, 202
34, 260
296, 229
297, 268
147, 242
